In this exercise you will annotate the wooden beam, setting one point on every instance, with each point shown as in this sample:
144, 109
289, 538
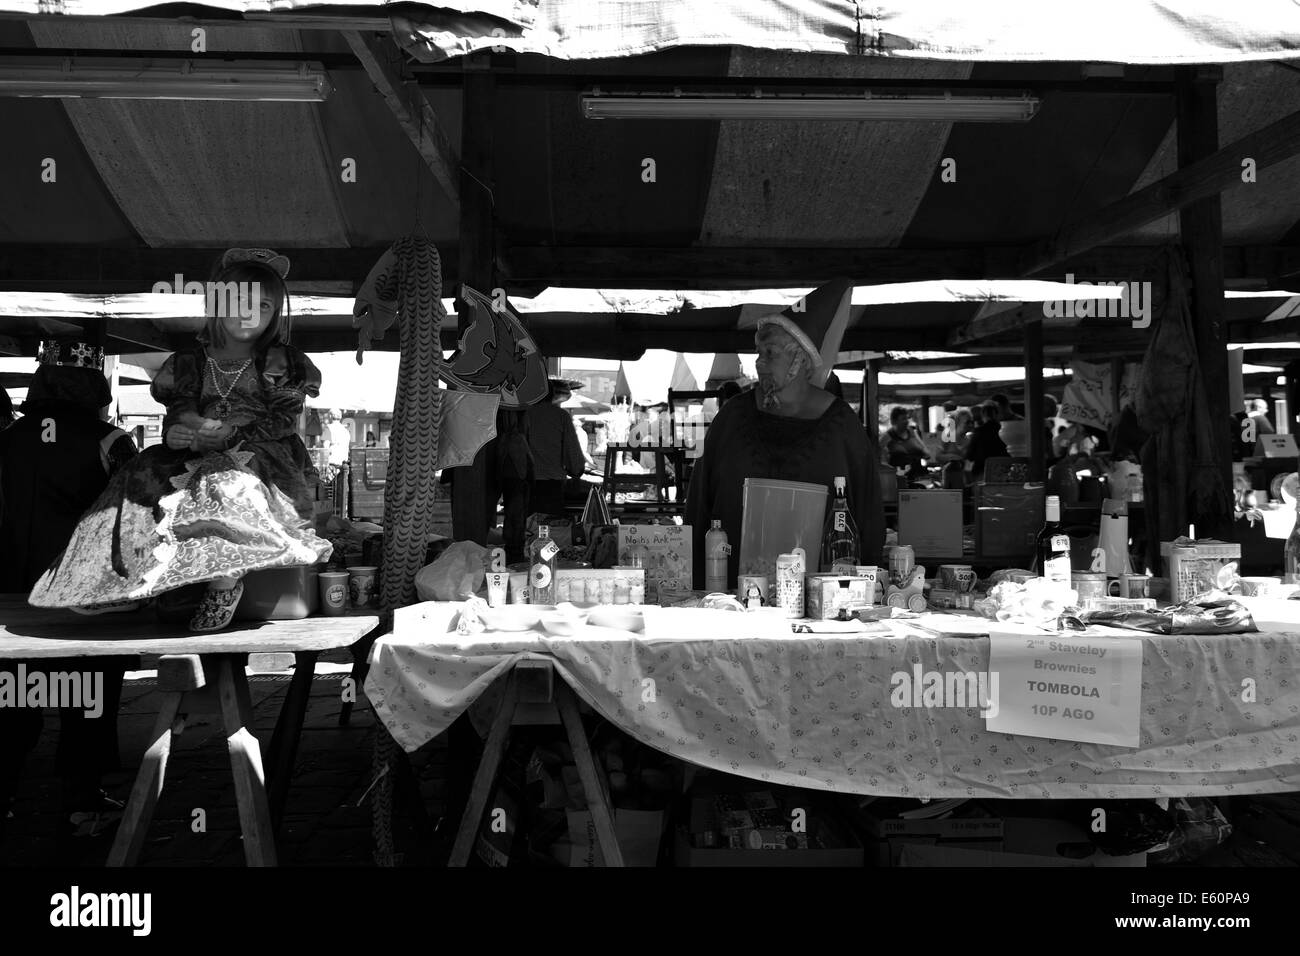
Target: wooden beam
411, 109
66, 268
28, 267
143, 333
1201, 228
1208, 176
469, 504
1034, 400
252, 21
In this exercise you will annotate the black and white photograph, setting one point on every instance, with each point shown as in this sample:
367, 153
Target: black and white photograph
547, 435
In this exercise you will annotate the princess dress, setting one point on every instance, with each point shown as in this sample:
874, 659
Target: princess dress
175, 518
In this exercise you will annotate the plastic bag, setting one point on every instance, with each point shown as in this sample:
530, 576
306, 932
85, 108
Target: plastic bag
1211, 612
1201, 827
1132, 826
455, 575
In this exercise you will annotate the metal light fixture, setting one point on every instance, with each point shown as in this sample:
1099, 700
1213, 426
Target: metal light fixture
105, 78
943, 107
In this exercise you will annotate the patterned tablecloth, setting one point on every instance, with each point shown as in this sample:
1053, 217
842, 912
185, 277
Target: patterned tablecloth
814, 710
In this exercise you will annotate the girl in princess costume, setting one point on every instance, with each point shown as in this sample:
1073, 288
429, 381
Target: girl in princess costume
230, 489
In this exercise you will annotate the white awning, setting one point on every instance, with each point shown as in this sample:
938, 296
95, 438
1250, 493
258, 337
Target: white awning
1117, 31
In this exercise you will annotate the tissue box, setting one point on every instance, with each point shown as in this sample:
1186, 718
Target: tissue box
825, 594
931, 522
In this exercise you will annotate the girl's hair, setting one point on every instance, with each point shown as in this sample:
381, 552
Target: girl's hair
269, 281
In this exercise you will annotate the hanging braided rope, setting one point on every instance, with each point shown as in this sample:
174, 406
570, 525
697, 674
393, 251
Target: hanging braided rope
404, 286
409, 274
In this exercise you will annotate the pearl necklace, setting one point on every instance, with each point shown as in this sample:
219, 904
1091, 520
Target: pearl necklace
232, 379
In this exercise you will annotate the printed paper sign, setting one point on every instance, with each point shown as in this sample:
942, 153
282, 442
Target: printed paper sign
1068, 688
663, 550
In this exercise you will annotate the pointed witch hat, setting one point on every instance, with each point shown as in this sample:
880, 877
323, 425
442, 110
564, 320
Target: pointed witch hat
817, 322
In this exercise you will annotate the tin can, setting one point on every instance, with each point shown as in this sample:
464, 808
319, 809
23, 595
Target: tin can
901, 562
790, 570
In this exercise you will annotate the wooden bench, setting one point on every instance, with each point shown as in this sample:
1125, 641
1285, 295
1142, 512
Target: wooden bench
197, 673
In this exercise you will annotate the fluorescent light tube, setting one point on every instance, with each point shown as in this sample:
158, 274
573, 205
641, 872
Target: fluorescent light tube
977, 109
89, 78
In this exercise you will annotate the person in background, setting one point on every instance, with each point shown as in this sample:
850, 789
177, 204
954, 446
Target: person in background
1050, 408
7, 415
985, 442
370, 440
54, 463
556, 453
339, 437
1257, 409
788, 428
902, 445
508, 476
1005, 412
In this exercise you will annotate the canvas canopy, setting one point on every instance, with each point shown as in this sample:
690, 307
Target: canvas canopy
1126, 31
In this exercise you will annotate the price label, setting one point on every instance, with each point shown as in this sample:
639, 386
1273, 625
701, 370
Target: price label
1060, 542
725, 549
841, 521
549, 550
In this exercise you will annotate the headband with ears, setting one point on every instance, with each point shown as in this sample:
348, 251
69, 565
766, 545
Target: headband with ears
267, 257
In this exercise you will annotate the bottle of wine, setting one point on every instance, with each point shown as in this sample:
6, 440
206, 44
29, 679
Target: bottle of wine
715, 558
1052, 549
839, 535
541, 567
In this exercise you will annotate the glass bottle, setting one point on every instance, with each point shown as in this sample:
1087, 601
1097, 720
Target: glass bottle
1052, 549
541, 567
839, 535
1291, 553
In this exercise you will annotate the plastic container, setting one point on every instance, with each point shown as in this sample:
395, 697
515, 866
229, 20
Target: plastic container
779, 516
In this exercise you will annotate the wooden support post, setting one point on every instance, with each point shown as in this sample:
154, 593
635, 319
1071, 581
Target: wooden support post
1033, 354
469, 507
245, 759
1201, 226
871, 398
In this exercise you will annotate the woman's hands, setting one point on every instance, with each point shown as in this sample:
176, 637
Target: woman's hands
198, 434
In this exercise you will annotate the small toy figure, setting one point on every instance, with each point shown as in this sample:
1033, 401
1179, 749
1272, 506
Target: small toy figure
753, 597
911, 593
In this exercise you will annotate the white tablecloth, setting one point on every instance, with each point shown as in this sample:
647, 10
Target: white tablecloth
813, 710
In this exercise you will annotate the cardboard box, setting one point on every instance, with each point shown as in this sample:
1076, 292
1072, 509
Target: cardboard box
825, 594
687, 855
931, 522
1008, 519
893, 835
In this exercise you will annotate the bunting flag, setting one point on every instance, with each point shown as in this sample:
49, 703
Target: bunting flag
726, 368
621, 388
683, 380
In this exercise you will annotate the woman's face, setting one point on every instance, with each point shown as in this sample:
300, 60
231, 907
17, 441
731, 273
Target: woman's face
247, 325
776, 359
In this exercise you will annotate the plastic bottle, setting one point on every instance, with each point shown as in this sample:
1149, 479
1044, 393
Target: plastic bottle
716, 550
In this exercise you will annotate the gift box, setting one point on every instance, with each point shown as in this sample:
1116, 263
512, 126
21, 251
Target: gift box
825, 594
